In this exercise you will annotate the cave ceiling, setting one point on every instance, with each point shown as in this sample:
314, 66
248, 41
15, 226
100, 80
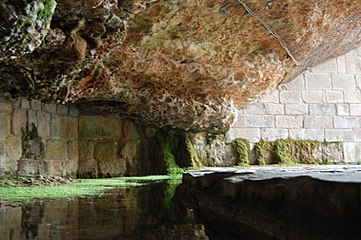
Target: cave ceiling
186, 64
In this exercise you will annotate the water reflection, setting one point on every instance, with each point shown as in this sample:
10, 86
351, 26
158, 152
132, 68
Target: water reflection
134, 213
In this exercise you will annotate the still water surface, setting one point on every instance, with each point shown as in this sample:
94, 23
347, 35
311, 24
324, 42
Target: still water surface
146, 212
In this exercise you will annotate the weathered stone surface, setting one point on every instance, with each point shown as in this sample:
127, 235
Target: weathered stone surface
24, 25
56, 150
19, 121
319, 202
105, 155
181, 64
97, 126
5, 124
69, 127
13, 148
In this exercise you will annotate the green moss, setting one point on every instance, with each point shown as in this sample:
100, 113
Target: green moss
47, 12
170, 162
195, 160
288, 152
282, 151
243, 150
85, 187
261, 149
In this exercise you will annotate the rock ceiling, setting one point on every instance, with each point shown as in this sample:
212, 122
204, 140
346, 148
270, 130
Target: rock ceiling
184, 64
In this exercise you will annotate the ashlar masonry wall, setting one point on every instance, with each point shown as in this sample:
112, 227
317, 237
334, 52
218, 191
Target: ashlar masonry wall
323, 104
38, 138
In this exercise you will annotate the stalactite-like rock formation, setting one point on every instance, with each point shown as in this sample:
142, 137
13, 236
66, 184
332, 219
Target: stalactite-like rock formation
182, 64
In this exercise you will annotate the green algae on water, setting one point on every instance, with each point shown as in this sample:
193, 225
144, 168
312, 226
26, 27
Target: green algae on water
83, 188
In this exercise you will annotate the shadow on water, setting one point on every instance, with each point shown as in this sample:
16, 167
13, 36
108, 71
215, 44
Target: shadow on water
154, 211
145, 212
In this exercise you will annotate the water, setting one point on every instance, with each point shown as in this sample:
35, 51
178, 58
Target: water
146, 212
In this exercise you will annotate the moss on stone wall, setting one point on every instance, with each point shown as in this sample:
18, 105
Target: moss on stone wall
31, 142
170, 161
243, 150
195, 160
262, 151
288, 151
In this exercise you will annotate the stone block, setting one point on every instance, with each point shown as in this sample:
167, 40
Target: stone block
296, 84
6, 106
251, 134
255, 108
69, 127
5, 124
289, 121
73, 110
31, 166
314, 96
54, 168
272, 97
99, 127
353, 64
55, 126
296, 109
32, 118
330, 66
318, 122
355, 109
50, 107
353, 97
318, 81
62, 109
274, 134
13, 148
43, 124
86, 150
341, 135
274, 108
343, 109
343, 82
69, 168
88, 168
259, 121
36, 105
358, 82
341, 64
290, 96
347, 122
352, 152
322, 109
105, 156
307, 134
334, 97
357, 134
25, 104
56, 150
130, 131
73, 150
333, 152
19, 120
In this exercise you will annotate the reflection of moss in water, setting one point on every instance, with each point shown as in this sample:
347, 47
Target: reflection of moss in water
85, 187
171, 190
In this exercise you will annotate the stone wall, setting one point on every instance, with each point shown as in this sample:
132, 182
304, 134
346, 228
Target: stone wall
110, 146
54, 139
38, 138
323, 104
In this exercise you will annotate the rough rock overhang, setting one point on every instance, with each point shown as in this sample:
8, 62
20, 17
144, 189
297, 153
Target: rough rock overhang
185, 64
